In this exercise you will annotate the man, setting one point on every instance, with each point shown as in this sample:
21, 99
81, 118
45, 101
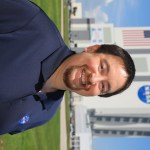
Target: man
37, 67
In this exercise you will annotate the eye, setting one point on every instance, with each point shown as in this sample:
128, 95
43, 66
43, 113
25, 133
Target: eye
102, 67
102, 88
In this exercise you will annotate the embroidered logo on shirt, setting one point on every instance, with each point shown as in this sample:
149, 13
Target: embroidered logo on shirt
24, 119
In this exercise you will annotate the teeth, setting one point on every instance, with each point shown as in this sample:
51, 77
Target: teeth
83, 77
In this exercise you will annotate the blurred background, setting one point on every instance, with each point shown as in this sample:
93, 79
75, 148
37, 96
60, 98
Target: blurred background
93, 123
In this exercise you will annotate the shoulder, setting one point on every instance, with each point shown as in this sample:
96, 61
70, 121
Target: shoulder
15, 14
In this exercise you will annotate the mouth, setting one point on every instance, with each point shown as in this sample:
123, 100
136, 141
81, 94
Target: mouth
79, 80
76, 77
83, 77
83, 80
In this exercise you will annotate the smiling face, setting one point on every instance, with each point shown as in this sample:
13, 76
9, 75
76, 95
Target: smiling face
92, 74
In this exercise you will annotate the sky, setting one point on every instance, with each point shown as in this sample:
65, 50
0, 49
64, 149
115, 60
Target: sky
122, 13
119, 12
121, 144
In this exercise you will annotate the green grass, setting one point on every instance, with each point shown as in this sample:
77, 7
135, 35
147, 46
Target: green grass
46, 137
66, 25
52, 9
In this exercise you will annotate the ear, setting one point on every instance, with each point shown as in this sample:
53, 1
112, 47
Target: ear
92, 49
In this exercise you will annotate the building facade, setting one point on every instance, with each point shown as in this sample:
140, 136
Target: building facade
126, 114
135, 100
119, 123
82, 127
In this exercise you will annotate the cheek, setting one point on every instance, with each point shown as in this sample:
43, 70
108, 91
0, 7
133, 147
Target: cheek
92, 61
93, 91
93, 65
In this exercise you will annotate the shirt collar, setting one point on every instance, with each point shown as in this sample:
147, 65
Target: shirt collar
53, 61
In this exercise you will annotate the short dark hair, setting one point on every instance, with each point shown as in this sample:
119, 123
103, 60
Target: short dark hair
128, 64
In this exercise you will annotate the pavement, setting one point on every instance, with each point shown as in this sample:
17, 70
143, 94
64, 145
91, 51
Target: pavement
63, 131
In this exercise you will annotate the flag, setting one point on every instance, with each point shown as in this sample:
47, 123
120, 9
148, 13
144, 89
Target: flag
136, 37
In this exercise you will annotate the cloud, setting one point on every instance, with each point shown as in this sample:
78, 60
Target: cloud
95, 10
120, 9
98, 14
132, 3
107, 2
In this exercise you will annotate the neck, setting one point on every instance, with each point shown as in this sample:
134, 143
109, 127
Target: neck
55, 82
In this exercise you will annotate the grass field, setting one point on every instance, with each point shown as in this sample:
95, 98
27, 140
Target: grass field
45, 137
52, 8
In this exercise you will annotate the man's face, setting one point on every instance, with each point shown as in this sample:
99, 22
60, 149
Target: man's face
91, 74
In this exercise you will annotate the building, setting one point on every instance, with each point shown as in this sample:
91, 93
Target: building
120, 123
76, 10
135, 100
82, 130
126, 114
80, 33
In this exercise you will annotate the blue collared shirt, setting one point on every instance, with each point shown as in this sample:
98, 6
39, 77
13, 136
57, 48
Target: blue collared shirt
31, 50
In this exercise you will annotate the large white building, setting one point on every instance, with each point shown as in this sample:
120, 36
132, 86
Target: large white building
82, 139
137, 42
76, 10
126, 114
137, 98
120, 122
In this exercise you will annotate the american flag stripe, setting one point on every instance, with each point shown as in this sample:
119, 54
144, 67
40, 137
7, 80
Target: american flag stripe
135, 38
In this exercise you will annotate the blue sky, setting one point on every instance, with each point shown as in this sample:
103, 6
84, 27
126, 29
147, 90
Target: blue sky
121, 144
119, 12
122, 13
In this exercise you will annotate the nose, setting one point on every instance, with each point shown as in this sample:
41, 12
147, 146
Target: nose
96, 78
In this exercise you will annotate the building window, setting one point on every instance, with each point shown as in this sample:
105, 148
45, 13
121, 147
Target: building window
117, 119
139, 133
107, 118
135, 120
105, 131
131, 133
122, 132
73, 148
113, 132
146, 133
144, 120
126, 119
78, 138
99, 118
97, 131
75, 45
